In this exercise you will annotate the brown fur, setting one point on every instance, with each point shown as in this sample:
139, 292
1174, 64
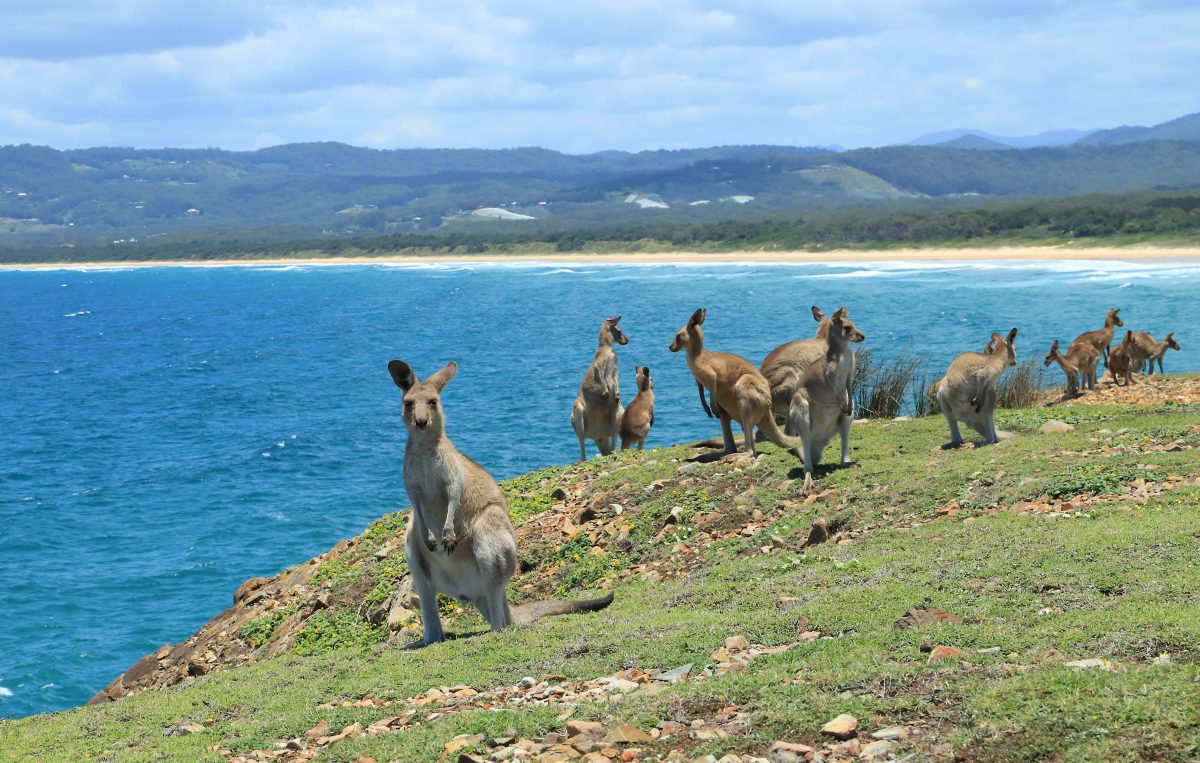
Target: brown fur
639, 416
1126, 357
460, 541
736, 386
968, 390
821, 405
1098, 341
1153, 350
1084, 357
596, 414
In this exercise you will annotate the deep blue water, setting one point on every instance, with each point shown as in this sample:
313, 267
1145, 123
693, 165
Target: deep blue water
166, 433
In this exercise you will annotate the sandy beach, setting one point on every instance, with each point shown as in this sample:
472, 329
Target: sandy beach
1011, 253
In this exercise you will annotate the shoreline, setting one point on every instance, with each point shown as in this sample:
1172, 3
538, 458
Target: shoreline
1186, 253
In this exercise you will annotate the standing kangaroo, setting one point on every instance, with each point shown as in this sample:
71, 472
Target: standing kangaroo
639, 416
460, 541
1098, 340
967, 392
1070, 366
1126, 357
784, 367
596, 414
1153, 350
818, 407
736, 386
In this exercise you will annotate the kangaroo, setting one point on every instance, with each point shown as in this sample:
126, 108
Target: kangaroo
460, 541
818, 408
784, 367
1099, 340
597, 412
639, 416
1125, 358
736, 386
1155, 350
1070, 366
967, 392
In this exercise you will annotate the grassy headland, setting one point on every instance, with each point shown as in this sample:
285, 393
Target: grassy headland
1050, 548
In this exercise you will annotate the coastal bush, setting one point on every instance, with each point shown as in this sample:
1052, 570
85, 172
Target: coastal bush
1020, 387
880, 385
258, 632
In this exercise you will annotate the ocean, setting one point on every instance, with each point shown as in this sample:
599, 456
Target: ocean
168, 432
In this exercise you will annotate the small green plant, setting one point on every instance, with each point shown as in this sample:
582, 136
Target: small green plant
258, 632
1096, 479
338, 630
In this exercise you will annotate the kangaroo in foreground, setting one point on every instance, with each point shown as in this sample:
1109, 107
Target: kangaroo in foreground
596, 414
967, 392
736, 386
1098, 340
460, 541
1072, 365
639, 416
1155, 350
818, 407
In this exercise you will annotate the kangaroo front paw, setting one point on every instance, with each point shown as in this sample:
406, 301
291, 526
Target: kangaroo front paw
449, 541
431, 542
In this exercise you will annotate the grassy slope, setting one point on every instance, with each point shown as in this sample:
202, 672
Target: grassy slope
1118, 582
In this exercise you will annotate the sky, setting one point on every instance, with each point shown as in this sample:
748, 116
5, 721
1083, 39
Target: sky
585, 75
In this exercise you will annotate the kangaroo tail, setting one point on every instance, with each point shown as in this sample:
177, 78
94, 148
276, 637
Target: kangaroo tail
773, 433
535, 610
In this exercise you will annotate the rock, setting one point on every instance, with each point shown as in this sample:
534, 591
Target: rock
674, 675
250, 586
818, 533
318, 731
878, 749
944, 653
183, 729
1093, 662
559, 494
845, 726
1053, 426
922, 616
692, 467
789, 752
585, 729
459, 742
737, 643
891, 733
627, 733
1162, 659
398, 614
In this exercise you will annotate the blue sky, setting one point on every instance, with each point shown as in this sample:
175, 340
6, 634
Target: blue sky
585, 75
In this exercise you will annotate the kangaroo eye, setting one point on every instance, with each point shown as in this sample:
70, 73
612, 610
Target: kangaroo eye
408, 405
433, 404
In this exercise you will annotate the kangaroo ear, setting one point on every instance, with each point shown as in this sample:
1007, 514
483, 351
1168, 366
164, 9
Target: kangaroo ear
840, 312
646, 371
1011, 336
613, 320
1054, 346
442, 377
818, 316
697, 317
402, 374
996, 339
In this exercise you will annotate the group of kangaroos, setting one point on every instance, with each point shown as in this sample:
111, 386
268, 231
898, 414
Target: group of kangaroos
461, 543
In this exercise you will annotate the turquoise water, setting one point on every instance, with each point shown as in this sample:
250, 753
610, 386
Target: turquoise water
166, 433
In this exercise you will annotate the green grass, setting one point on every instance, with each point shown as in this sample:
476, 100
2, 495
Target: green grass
1118, 583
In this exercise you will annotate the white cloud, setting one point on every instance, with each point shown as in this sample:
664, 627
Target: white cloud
584, 76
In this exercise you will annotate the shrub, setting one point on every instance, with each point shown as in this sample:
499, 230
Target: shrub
880, 385
1020, 387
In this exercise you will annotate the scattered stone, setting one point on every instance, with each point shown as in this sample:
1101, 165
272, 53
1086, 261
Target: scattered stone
789, 752
559, 494
692, 467
818, 534
737, 644
878, 749
1162, 659
1093, 662
183, 729
988, 650
891, 733
922, 616
627, 733
845, 726
674, 675
585, 729
1054, 426
944, 653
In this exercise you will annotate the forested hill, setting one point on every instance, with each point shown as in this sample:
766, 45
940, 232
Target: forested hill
113, 197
